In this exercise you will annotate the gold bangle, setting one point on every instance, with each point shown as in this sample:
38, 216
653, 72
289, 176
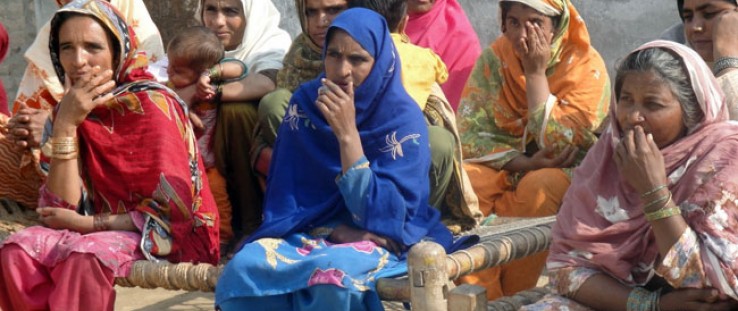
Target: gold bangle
666, 198
663, 213
64, 156
60, 148
652, 191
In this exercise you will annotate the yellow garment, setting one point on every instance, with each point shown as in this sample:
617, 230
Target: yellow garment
537, 194
421, 68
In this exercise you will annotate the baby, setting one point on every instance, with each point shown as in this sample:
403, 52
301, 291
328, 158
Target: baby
196, 56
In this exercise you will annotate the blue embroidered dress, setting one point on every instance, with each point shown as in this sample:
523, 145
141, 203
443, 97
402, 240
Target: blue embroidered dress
287, 263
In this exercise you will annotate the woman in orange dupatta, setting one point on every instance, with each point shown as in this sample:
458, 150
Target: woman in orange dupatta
529, 112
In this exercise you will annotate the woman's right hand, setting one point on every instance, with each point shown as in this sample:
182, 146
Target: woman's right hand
695, 299
347, 234
82, 97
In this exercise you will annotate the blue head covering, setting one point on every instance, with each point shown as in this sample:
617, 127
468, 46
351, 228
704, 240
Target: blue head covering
302, 191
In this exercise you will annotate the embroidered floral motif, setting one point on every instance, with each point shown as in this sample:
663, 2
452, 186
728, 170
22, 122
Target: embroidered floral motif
270, 249
610, 210
293, 117
395, 146
329, 276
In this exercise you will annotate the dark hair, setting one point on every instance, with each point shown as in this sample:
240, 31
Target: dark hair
671, 70
63, 17
197, 47
393, 11
680, 7
505, 7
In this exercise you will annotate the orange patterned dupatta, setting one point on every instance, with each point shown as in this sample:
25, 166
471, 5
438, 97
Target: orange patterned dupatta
494, 116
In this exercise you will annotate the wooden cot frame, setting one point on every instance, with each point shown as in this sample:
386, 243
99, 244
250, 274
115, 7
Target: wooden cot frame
427, 286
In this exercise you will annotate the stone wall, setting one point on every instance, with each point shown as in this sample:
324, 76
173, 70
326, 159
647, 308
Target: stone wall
616, 26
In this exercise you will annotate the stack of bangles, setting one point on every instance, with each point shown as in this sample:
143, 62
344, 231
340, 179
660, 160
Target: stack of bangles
64, 148
661, 203
641, 299
100, 222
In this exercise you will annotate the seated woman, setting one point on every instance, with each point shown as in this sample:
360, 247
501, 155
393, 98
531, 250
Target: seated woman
124, 156
249, 31
343, 200
529, 113
39, 91
650, 221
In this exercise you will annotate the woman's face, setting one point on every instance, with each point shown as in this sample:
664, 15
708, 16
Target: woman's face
84, 44
320, 14
227, 19
514, 24
346, 61
419, 6
647, 100
699, 16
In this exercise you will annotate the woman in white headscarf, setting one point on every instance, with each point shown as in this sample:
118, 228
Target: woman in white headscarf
249, 31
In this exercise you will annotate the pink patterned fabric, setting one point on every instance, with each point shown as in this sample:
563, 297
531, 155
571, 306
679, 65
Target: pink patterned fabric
60, 288
116, 250
446, 30
701, 168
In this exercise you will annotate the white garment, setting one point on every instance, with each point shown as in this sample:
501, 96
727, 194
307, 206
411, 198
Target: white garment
40, 72
264, 44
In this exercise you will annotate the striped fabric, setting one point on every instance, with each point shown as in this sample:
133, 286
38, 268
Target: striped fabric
20, 185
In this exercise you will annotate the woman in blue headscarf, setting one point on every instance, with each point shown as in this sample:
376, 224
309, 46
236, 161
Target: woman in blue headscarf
347, 193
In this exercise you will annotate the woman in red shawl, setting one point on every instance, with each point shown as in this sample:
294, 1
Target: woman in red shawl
650, 221
442, 26
125, 182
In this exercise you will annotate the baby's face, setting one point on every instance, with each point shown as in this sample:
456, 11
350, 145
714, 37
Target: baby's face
180, 75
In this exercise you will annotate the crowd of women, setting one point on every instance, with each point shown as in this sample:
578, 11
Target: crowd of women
312, 165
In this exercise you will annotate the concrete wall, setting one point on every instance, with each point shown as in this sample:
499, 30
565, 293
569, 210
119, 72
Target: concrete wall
616, 26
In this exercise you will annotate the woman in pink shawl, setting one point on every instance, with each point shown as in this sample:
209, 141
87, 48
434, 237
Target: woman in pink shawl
650, 221
442, 26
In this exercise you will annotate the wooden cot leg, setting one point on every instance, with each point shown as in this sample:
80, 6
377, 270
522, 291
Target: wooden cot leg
428, 277
468, 297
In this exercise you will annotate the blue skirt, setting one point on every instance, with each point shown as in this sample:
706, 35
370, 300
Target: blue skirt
300, 272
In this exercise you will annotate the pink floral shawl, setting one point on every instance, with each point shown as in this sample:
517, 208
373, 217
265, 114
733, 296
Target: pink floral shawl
601, 224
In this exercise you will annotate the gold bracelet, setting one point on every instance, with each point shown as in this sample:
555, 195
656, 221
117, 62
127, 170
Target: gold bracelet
663, 213
666, 198
652, 191
65, 156
60, 148
100, 222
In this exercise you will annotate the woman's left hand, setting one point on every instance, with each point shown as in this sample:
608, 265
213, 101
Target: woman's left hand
640, 161
347, 234
534, 49
337, 106
61, 218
